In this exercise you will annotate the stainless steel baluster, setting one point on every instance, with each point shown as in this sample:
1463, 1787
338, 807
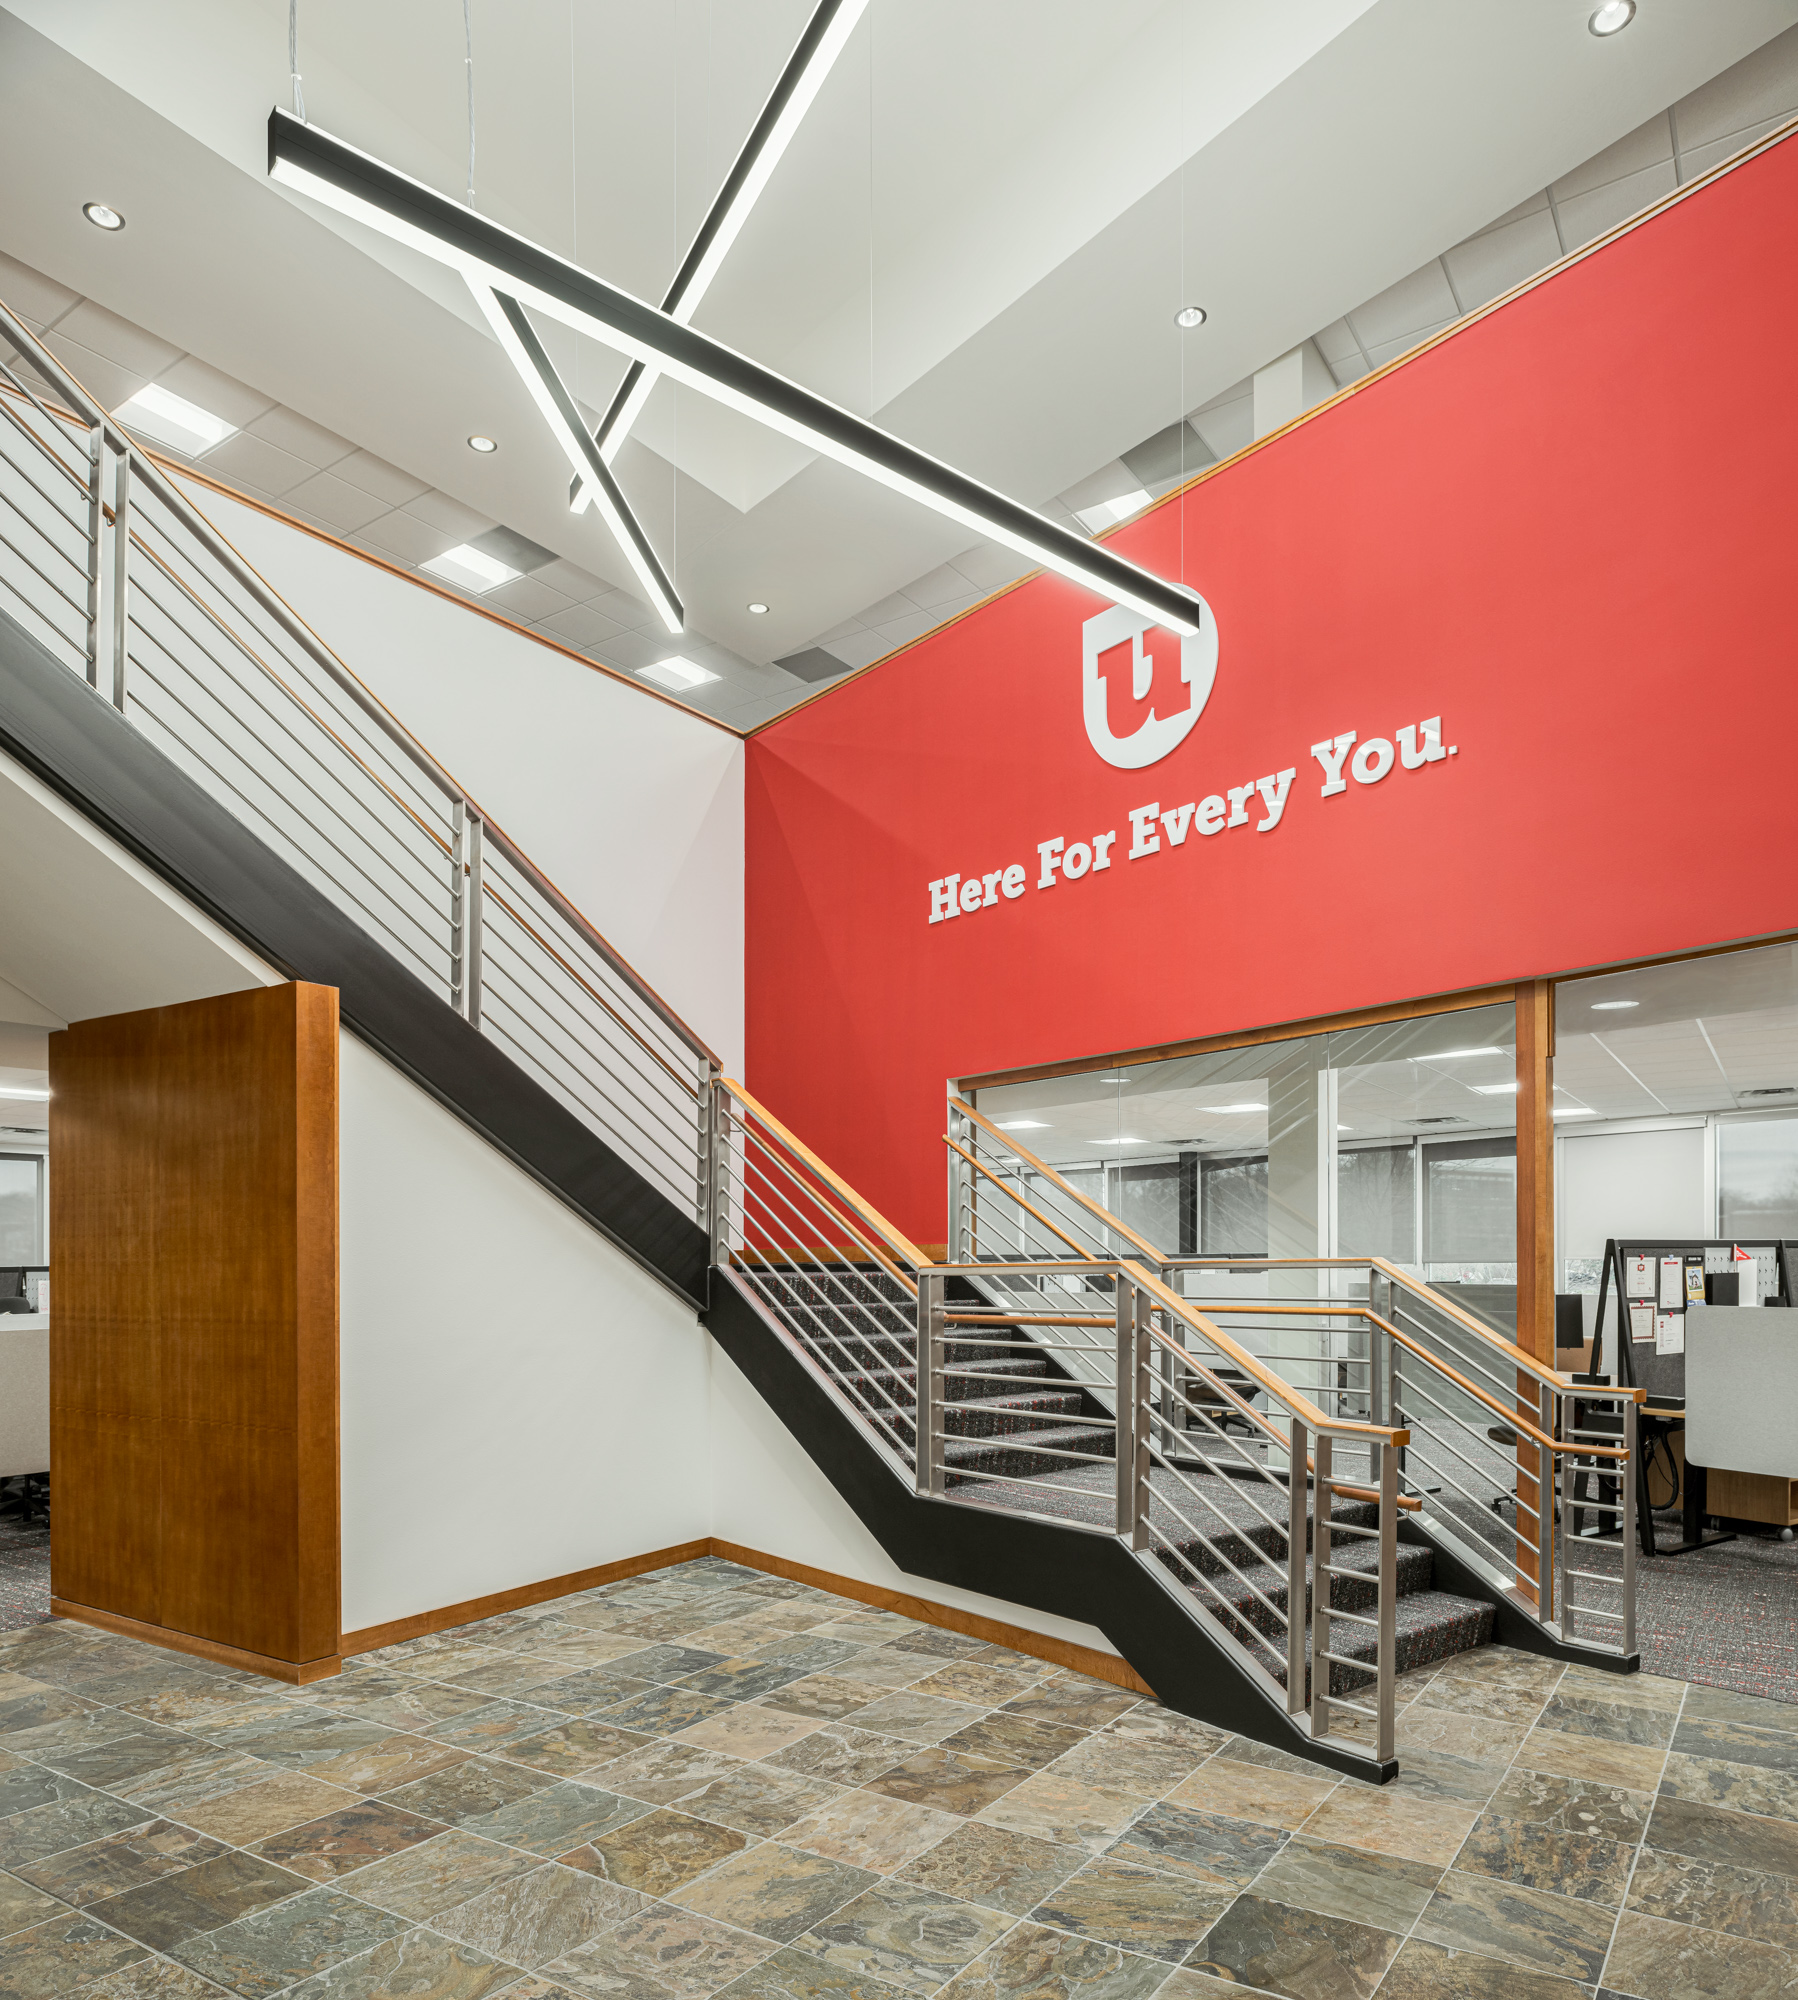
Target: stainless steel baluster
473, 923
1569, 1482
1297, 1534
459, 906
96, 467
1627, 1470
1387, 1668
121, 574
927, 1452
1133, 1415
1545, 1505
1320, 1594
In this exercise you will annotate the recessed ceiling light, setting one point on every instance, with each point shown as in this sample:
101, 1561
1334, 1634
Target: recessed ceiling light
1447, 1055
479, 443
1574, 1111
170, 419
1345, 1128
471, 569
674, 672
758, 609
1024, 1125
1232, 1107
1494, 1089
101, 216
1613, 1006
1190, 316
18, 1090
1120, 1140
1614, 14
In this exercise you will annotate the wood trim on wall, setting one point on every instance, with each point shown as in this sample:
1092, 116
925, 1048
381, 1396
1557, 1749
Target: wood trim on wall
1536, 1170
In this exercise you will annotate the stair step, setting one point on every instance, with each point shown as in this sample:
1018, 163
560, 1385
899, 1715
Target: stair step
1357, 1591
1020, 1457
1428, 1625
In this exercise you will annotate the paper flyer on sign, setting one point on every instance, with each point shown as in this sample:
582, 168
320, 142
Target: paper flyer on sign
1694, 1281
1748, 1278
1673, 1283
1639, 1272
1641, 1323
1670, 1333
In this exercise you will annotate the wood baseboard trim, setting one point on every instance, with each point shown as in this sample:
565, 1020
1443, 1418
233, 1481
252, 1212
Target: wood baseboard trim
297, 1673
372, 1637
1059, 1652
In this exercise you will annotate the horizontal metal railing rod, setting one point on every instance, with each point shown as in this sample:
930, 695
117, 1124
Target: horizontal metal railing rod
778, 1188
863, 1238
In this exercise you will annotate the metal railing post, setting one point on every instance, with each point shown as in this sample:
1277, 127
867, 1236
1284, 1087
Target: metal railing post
96, 522
711, 1161
1546, 1403
1320, 1593
472, 914
1133, 1415
1387, 1668
1627, 1470
958, 1176
1298, 1529
927, 1449
459, 906
121, 574
1569, 1478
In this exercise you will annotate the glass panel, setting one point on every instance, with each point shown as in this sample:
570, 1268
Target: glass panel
21, 1210
1376, 1203
1757, 1177
1147, 1199
1233, 1207
1470, 1210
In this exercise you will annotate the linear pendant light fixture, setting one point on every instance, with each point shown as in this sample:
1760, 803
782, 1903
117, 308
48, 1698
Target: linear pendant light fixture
816, 51
343, 178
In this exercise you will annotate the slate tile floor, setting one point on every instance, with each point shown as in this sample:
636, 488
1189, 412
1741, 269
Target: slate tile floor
712, 1782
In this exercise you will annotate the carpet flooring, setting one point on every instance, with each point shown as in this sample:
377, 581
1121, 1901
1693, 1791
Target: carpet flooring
710, 1782
24, 1572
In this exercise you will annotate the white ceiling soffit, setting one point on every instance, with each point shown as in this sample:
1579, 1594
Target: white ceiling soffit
980, 237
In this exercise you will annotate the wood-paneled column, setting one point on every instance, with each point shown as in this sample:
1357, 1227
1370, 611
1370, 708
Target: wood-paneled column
193, 1347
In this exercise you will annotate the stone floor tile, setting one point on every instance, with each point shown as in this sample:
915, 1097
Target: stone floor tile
843, 1754
230, 1885
1072, 1704
299, 1736
1496, 1701
950, 1781
418, 1965
1444, 1774
62, 1954
1246, 1791
550, 1822
1710, 1704
985, 1864
511, 1676
1715, 1833
887, 1667
1583, 1865
1573, 1805
935, 1642
178, 1705
918, 1718
84, 1875
664, 1771
659, 1852
749, 1731
1645, 1690
437, 1875
1384, 1890
1032, 1962
43, 1830
22, 1715
1432, 1972
1743, 1787
1136, 1908
776, 1891
1245, 1750
1720, 1896
758, 1801
1388, 1822
385, 1766
586, 1694
1636, 1766
487, 1726
788, 1974
665, 1665
22, 1906
1730, 1743
173, 1788
1546, 1933
27, 1785
1286, 1950
74, 1731
668, 1709
974, 1681
339, 1843
276, 1948
910, 1937
825, 1697
530, 1919
152, 1979
132, 1754
266, 1805
870, 1830
1202, 1847
1064, 1810
1423, 1728
1016, 1739
662, 1954
1654, 1960
465, 1791
1588, 1714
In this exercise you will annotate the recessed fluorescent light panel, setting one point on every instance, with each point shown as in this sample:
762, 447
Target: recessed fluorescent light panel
470, 569
1574, 1111
169, 419
1109, 511
20, 1090
1022, 1125
1613, 1006
1493, 1089
674, 672
1232, 1108
1450, 1055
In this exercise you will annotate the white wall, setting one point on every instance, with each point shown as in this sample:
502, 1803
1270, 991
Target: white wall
632, 806
519, 1400
767, 1494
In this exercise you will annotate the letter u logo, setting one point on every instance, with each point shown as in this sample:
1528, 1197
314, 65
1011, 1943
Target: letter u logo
1142, 687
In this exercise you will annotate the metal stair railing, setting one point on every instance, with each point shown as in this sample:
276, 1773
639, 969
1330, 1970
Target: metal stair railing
115, 573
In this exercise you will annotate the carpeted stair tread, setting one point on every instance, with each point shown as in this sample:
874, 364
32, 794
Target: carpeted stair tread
1031, 1450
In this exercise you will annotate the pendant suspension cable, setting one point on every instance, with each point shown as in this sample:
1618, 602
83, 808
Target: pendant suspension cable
293, 59
468, 64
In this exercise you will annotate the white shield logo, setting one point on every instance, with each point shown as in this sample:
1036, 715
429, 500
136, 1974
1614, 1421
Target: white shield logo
1157, 734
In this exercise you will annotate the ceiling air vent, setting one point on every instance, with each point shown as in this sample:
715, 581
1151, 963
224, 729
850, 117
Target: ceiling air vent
1436, 1121
1772, 1090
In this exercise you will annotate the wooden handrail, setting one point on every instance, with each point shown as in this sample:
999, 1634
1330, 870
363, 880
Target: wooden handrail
1012, 1194
1511, 1418
838, 1186
1104, 1215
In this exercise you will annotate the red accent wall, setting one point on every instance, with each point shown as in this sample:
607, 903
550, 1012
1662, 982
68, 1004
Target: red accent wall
1568, 530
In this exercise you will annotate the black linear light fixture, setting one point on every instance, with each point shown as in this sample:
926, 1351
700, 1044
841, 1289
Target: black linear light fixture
494, 259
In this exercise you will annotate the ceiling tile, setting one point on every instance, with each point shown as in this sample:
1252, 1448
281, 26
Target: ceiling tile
1701, 159
1760, 87
1536, 202
108, 383
989, 567
1337, 342
333, 501
1390, 350
942, 585
902, 631
633, 651
1226, 426
257, 463
400, 535
1484, 266
575, 583
887, 609
860, 649
516, 551
291, 432
1590, 215
1351, 369
1646, 146
843, 630
438, 510
30, 294
628, 613
374, 475
1171, 455
213, 390
1422, 300
527, 600
1110, 482
120, 342
813, 665
581, 625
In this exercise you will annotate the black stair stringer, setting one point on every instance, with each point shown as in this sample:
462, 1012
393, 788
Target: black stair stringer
1063, 1570
85, 751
